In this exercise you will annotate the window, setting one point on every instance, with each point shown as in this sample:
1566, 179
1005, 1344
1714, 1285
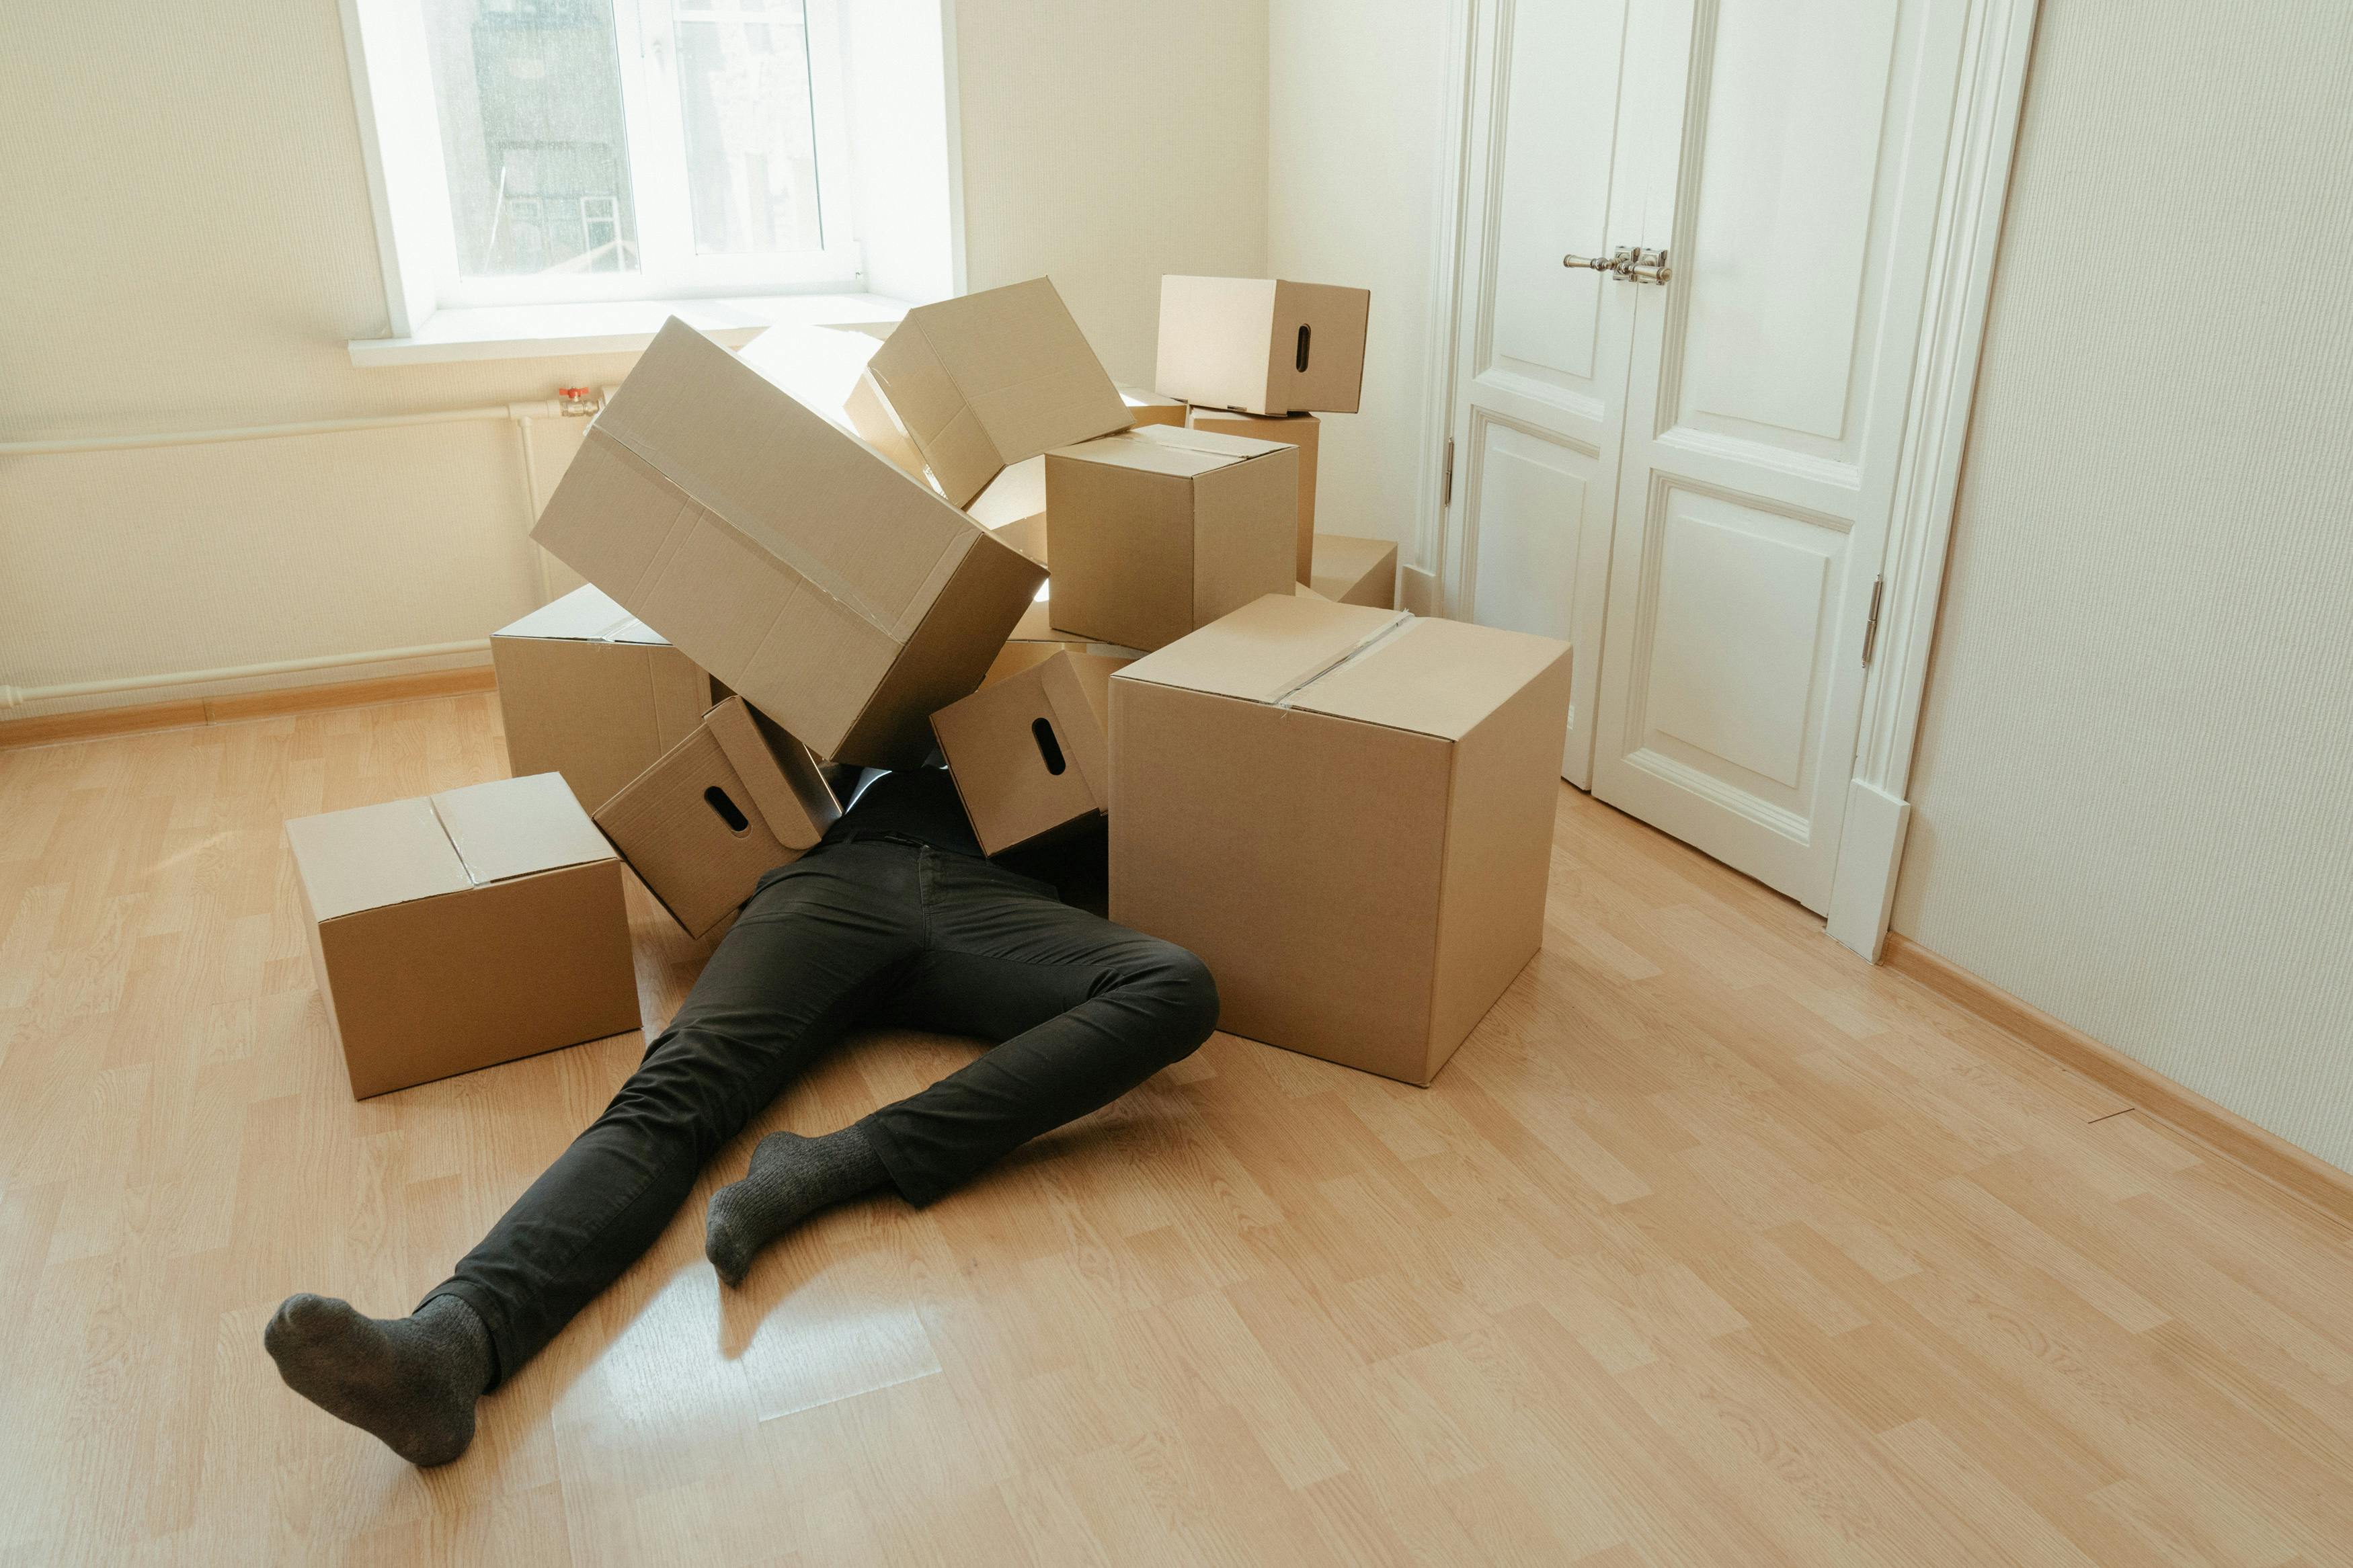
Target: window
550, 151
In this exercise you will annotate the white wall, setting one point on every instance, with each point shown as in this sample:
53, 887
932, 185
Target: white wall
1358, 94
1107, 143
188, 244
2132, 801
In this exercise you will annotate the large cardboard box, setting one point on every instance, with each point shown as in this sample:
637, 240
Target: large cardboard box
1300, 430
588, 690
1350, 571
988, 379
1347, 813
463, 930
1262, 345
1161, 530
785, 557
733, 800
1030, 755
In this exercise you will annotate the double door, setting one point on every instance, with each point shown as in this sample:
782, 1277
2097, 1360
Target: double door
1696, 242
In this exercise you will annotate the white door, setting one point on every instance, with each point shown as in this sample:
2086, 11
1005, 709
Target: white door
1540, 350
1770, 376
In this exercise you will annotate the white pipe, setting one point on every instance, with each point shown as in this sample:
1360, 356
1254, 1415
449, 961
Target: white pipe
548, 410
16, 696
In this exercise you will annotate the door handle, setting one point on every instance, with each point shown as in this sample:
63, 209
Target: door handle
1627, 264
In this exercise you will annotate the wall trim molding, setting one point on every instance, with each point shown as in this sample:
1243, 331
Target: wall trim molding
2226, 1131
188, 712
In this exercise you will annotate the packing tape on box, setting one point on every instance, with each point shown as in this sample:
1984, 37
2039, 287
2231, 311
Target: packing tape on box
795, 559
1365, 646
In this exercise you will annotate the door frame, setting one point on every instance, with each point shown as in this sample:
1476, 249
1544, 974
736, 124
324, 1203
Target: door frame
1998, 42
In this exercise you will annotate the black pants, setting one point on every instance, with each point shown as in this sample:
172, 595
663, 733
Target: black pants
1080, 1012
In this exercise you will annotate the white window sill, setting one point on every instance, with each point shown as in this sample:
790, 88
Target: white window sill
551, 331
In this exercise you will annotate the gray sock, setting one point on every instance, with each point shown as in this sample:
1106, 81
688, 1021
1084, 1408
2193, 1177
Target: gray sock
410, 1383
791, 1178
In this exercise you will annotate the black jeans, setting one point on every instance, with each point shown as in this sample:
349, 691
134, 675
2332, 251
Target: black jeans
1080, 1011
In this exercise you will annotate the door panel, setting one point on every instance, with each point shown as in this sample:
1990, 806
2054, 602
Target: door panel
1794, 113
1764, 404
1540, 370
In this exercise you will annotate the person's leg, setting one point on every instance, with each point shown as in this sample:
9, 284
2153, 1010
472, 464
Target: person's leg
1080, 1011
819, 944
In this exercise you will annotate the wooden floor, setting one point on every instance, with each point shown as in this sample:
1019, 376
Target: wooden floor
1713, 1245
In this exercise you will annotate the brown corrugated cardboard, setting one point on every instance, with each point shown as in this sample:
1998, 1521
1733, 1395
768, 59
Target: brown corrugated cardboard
869, 415
1145, 406
1013, 507
783, 555
1162, 530
1030, 753
1262, 345
470, 928
1347, 813
736, 798
988, 379
1351, 571
588, 690
1300, 430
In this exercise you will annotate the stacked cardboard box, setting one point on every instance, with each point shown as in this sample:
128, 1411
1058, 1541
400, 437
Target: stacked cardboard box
1343, 808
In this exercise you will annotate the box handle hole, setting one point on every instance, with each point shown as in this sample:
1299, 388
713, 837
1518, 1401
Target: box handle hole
1048, 747
728, 811
1301, 361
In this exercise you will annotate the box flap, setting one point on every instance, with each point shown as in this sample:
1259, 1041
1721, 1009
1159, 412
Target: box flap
372, 856
833, 509
1267, 649
1437, 678
1019, 492
1170, 449
988, 379
777, 771
587, 614
518, 828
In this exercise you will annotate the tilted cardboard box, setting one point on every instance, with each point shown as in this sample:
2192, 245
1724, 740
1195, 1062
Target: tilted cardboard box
783, 555
1013, 508
588, 690
1300, 430
1030, 753
987, 379
1262, 345
1351, 571
1162, 530
463, 930
733, 800
1346, 813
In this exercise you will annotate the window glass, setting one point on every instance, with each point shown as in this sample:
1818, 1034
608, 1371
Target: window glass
751, 141
529, 95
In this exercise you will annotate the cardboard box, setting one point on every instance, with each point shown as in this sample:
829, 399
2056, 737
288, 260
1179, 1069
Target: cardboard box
870, 417
1347, 813
1356, 571
588, 690
783, 555
1013, 508
1030, 755
984, 381
1162, 530
1262, 345
463, 930
1145, 406
1300, 430
736, 799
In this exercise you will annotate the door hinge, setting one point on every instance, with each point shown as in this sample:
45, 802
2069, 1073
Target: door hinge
1446, 480
1871, 627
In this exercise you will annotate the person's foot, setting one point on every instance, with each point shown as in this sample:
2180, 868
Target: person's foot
791, 1178
410, 1383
